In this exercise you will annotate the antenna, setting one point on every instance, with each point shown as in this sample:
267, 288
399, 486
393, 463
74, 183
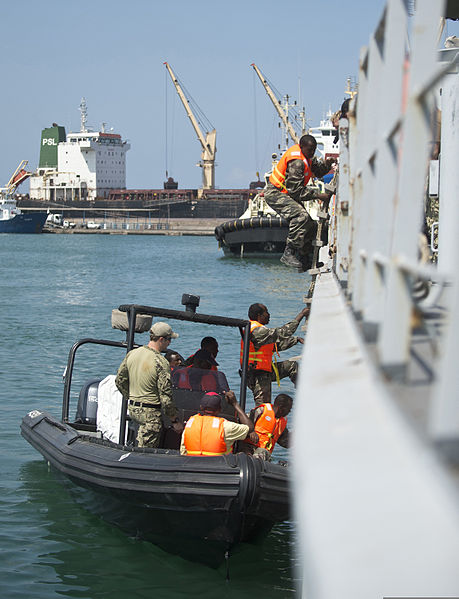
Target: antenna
84, 115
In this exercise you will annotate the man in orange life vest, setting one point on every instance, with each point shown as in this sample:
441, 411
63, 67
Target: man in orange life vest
270, 427
208, 434
287, 189
265, 343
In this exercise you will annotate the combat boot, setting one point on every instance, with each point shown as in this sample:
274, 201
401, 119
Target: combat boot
289, 258
306, 263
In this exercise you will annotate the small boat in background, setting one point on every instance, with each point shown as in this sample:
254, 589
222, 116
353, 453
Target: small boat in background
12, 219
258, 231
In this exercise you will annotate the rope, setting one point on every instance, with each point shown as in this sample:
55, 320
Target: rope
165, 102
255, 118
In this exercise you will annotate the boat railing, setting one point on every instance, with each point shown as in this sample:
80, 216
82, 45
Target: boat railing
376, 423
132, 310
70, 365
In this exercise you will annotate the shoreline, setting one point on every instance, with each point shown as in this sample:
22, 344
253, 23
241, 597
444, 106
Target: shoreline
172, 227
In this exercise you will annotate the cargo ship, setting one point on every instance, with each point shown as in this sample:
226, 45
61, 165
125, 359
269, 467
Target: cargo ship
84, 174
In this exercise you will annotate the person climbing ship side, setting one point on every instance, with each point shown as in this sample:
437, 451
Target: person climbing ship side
287, 189
265, 343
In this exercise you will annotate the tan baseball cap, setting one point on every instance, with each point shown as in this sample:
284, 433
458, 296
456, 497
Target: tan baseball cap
162, 329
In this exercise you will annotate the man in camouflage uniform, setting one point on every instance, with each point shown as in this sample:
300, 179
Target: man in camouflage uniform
302, 228
259, 381
144, 377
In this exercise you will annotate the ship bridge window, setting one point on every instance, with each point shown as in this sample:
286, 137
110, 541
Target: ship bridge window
325, 132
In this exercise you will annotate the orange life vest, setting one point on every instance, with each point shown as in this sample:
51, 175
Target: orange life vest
262, 358
204, 435
269, 428
277, 177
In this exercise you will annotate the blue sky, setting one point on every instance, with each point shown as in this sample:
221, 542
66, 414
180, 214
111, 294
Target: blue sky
112, 53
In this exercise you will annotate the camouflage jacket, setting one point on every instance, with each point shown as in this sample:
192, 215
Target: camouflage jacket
282, 336
145, 376
294, 178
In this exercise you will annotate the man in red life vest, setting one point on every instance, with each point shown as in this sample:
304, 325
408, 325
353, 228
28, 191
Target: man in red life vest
270, 427
265, 343
287, 190
174, 358
208, 434
200, 376
209, 344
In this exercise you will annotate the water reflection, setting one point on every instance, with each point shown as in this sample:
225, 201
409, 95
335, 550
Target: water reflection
67, 549
61, 288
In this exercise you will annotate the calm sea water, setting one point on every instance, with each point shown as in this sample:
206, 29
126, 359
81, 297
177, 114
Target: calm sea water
56, 289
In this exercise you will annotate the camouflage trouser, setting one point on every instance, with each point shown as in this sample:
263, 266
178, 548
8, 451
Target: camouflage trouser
259, 382
432, 216
150, 425
262, 454
257, 452
302, 228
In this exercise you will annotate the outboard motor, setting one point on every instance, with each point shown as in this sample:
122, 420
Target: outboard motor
87, 403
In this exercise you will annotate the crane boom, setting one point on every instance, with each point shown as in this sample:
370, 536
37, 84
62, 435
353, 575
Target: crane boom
277, 105
19, 175
208, 142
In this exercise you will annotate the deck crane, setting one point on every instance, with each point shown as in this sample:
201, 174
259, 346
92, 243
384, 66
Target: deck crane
281, 109
208, 141
19, 175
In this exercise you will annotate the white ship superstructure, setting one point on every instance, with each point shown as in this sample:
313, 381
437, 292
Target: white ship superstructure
82, 165
325, 135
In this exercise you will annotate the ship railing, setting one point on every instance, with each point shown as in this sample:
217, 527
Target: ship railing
376, 423
382, 191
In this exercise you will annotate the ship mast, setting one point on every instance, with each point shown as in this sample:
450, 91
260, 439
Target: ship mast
208, 142
84, 115
282, 109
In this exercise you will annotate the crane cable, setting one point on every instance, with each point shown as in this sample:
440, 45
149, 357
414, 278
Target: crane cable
165, 121
169, 151
255, 124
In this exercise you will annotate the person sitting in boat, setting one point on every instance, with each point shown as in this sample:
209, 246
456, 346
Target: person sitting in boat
144, 378
206, 434
270, 426
199, 376
174, 358
265, 343
210, 344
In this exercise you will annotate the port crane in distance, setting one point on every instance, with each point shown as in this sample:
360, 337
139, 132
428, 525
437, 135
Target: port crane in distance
208, 141
281, 109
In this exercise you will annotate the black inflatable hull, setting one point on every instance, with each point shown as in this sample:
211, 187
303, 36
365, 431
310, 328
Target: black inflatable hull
259, 235
196, 507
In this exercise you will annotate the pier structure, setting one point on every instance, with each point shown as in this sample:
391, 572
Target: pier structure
142, 206
376, 423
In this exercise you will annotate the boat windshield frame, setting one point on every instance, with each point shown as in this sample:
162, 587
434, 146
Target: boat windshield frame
132, 310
